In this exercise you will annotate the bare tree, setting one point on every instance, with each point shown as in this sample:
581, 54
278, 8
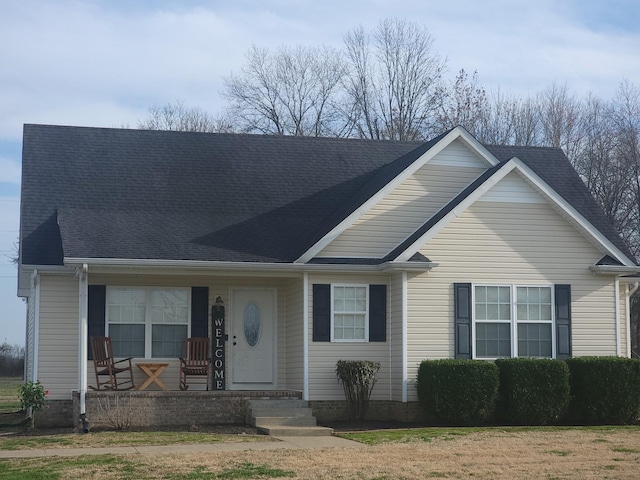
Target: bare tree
176, 116
462, 102
394, 84
560, 115
292, 91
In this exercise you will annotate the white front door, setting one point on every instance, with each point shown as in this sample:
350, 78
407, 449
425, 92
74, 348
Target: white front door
253, 338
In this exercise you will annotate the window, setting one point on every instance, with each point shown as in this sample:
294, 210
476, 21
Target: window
148, 322
350, 315
513, 321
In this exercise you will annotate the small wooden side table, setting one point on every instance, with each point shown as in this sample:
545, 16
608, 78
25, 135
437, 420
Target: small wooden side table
153, 371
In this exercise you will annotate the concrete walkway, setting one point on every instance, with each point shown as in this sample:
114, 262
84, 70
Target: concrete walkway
282, 443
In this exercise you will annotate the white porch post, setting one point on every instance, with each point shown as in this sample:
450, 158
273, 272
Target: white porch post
617, 313
83, 308
405, 313
305, 336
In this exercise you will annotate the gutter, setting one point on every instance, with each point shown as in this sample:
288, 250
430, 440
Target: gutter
614, 269
107, 263
630, 292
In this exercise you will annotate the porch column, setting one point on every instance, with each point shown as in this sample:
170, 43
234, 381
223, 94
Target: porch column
305, 336
405, 313
83, 308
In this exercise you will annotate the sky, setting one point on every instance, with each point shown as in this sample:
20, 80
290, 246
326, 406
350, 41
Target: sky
105, 63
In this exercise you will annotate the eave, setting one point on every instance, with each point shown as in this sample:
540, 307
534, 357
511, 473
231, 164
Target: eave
197, 267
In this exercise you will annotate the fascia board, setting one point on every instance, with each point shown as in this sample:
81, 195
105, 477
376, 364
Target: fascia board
457, 132
545, 190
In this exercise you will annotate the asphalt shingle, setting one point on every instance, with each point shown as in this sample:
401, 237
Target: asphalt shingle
118, 193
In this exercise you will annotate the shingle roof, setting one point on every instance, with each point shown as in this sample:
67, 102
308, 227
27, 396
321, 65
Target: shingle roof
117, 193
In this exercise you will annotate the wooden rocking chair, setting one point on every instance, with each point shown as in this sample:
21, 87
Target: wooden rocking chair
111, 374
196, 361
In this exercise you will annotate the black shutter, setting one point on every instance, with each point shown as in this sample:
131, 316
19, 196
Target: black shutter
563, 321
462, 314
199, 311
321, 313
377, 313
96, 305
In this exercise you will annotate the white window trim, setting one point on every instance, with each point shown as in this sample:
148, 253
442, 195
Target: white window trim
514, 319
148, 324
366, 316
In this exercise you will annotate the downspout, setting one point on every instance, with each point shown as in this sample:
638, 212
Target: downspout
616, 284
82, 340
630, 293
36, 326
305, 336
390, 337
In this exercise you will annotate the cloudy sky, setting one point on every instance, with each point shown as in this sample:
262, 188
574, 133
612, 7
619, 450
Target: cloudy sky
104, 63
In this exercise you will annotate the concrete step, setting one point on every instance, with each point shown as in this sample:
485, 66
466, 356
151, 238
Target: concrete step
281, 412
278, 403
285, 431
306, 421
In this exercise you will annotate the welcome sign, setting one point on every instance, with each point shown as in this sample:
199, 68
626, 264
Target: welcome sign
217, 353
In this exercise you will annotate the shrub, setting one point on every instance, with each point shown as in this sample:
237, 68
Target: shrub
358, 378
458, 392
604, 390
532, 391
33, 397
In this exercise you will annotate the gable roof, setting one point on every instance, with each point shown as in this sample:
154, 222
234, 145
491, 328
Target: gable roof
117, 193
139, 194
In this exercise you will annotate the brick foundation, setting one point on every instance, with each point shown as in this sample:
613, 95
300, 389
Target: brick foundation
105, 410
57, 413
327, 411
111, 410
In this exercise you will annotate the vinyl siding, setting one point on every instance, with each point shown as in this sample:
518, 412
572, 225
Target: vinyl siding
218, 287
323, 384
294, 334
408, 206
508, 243
58, 336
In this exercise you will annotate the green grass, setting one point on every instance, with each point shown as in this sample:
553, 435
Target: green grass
625, 450
120, 439
58, 468
112, 466
428, 434
9, 401
249, 470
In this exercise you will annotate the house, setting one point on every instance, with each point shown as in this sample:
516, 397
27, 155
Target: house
319, 249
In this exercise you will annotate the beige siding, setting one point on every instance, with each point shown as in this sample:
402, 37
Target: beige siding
323, 356
58, 336
407, 207
395, 337
508, 243
218, 287
457, 154
512, 189
294, 334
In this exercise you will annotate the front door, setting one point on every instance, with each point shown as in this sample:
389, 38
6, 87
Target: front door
253, 338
